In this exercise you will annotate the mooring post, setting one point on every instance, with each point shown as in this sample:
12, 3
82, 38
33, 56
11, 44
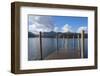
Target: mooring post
63, 42
78, 42
67, 42
41, 54
73, 42
82, 44
57, 40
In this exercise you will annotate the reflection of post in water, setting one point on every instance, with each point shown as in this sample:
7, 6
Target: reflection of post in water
40, 37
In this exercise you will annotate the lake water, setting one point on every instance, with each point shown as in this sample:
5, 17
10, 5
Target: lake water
49, 45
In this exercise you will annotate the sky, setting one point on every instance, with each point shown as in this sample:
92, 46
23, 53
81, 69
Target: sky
43, 23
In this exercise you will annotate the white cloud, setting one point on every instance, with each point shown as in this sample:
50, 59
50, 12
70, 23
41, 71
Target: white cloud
82, 28
56, 29
45, 24
66, 28
40, 23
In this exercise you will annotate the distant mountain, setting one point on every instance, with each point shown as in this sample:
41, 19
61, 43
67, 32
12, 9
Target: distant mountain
53, 34
49, 34
30, 34
65, 34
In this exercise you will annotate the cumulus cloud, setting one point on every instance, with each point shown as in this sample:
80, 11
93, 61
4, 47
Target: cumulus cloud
40, 23
56, 29
66, 28
82, 28
45, 24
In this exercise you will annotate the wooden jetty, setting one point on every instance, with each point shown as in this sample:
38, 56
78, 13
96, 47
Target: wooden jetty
66, 53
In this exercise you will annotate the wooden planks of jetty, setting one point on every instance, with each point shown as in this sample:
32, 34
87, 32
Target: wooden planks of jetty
65, 54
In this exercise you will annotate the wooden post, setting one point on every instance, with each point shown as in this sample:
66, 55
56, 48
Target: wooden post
78, 42
66, 42
82, 44
41, 46
63, 42
73, 42
57, 40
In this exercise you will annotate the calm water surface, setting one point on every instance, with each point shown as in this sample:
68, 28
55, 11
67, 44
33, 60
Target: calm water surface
49, 45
